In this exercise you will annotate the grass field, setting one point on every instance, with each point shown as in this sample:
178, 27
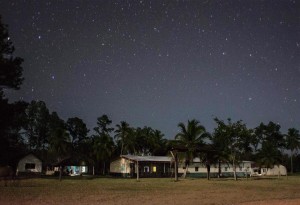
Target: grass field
151, 191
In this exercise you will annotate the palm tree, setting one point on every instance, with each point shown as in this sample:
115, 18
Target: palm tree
190, 137
293, 143
122, 135
158, 143
103, 144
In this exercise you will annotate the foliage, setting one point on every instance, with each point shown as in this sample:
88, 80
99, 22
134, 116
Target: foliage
122, 137
191, 137
10, 114
59, 144
77, 129
271, 143
37, 126
292, 143
232, 140
10, 66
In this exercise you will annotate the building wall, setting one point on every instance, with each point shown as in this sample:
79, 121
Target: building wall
199, 169
120, 166
276, 170
27, 162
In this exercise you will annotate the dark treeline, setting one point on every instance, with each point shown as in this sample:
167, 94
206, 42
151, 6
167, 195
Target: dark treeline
31, 127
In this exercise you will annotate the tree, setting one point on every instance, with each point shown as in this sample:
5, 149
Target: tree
78, 130
144, 140
191, 137
10, 66
122, 136
271, 143
103, 146
102, 125
12, 144
102, 141
10, 77
159, 144
60, 146
37, 126
292, 143
232, 140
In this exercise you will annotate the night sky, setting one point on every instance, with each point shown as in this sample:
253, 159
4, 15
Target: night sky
158, 63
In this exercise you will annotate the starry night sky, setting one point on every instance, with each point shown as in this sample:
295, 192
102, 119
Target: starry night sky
158, 63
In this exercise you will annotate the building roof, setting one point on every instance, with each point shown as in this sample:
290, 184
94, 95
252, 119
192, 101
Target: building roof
147, 158
29, 154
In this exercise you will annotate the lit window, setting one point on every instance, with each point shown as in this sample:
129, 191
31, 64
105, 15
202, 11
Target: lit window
154, 169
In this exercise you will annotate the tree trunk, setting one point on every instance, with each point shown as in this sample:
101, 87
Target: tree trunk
208, 169
104, 168
122, 148
234, 170
208, 172
176, 167
219, 171
185, 171
60, 173
292, 168
137, 171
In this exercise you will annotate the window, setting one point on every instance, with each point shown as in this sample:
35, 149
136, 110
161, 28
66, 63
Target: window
146, 169
29, 166
241, 169
226, 169
154, 169
183, 167
196, 169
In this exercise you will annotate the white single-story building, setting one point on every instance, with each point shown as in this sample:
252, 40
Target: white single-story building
30, 164
275, 171
163, 166
199, 169
149, 166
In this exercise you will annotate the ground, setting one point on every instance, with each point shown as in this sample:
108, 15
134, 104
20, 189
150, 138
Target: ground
152, 191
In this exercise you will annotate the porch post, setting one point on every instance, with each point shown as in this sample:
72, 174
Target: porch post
137, 171
176, 167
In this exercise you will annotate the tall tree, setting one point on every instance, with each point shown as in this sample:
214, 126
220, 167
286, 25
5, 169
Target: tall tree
10, 77
122, 136
10, 66
190, 137
60, 146
232, 141
12, 144
102, 141
103, 146
37, 126
78, 130
103, 124
271, 143
159, 144
292, 143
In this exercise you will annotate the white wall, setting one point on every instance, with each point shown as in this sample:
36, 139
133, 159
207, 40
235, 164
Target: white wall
120, 166
32, 160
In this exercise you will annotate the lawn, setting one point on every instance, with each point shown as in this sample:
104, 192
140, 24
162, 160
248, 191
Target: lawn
151, 191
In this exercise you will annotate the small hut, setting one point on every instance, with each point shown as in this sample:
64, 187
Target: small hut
29, 165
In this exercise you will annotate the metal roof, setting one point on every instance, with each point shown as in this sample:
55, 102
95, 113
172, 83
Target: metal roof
147, 158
